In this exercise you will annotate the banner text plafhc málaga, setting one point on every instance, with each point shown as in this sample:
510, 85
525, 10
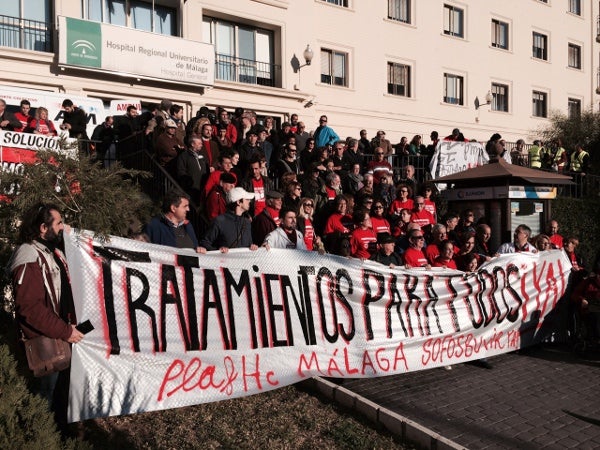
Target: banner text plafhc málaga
214, 326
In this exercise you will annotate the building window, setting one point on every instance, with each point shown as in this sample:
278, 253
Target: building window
26, 24
141, 15
399, 10
540, 46
574, 56
499, 34
574, 108
540, 104
343, 3
398, 76
334, 67
453, 89
575, 7
243, 54
499, 97
453, 21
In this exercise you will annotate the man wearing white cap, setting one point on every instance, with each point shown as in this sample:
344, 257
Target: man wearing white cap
231, 229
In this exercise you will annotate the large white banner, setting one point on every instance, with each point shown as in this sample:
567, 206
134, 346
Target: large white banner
174, 328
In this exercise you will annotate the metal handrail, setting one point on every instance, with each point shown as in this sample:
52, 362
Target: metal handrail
26, 34
232, 68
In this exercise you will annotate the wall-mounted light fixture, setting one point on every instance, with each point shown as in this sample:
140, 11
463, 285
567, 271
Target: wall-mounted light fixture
488, 100
308, 57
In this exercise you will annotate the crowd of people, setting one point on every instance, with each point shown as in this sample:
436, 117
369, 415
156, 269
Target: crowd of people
259, 185
74, 120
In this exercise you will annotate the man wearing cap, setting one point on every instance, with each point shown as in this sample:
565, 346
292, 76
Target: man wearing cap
171, 228
385, 251
268, 219
168, 146
216, 200
231, 229
380, 141
285, 235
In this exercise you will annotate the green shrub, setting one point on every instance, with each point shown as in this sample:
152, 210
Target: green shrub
25, 419
580, 218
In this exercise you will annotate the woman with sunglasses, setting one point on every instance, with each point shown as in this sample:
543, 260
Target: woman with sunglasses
380, 223
305, 224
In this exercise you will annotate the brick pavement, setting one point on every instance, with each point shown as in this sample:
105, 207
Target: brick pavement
527, 401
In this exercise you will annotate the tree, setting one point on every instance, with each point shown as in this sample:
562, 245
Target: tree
583, 129
104, 200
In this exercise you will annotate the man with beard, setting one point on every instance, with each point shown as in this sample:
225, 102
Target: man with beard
285, 235
43, 297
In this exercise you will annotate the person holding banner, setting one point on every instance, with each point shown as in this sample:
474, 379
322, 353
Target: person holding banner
285, 235
24, 117
231, 229
41, 124
520, 242
43, 297
414, 256
172, 228
8, 121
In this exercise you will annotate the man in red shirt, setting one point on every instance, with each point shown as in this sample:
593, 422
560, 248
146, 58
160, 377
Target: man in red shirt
556, 240
379, 166
259, 185
414, 256
438, 232
420, 215
24, 117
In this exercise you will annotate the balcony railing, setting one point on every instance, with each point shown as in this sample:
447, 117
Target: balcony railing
230, 68
25, 34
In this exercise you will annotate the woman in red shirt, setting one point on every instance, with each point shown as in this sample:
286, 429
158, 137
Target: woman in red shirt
401, 225
446, 256
363, 240
380, 223
336, 221
305, 224
41, 124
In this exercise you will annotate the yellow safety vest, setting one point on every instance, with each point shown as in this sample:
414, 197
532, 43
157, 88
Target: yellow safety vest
534, 157
577, 160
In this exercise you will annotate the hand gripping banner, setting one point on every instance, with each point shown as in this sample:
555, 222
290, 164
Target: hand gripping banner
174, 328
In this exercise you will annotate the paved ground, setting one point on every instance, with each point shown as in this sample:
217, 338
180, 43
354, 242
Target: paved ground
548, 398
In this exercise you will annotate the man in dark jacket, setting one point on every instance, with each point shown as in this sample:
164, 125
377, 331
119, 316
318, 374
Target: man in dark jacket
171, 228
192, 169
232, 229
268, 219
8, 121
74, 120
